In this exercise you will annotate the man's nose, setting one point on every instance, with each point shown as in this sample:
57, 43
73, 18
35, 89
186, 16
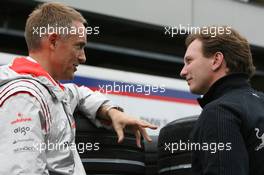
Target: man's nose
82, 57
183, 72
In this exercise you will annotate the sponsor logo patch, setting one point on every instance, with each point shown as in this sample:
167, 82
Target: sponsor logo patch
23, 130
25, 149
22, 140
21, 119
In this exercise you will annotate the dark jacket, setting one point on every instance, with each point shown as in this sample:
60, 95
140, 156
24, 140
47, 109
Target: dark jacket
230, 129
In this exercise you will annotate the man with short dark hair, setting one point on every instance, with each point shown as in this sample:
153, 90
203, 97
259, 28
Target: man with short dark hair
37, 111
231, 126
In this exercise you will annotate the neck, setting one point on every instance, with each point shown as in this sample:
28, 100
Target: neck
43, 60
218, 74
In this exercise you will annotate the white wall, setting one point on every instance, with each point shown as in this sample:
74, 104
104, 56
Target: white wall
161, 12
246, 18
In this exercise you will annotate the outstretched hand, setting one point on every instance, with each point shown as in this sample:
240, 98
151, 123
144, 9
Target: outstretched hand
121, 120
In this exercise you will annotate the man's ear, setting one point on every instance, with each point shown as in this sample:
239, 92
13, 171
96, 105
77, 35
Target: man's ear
218, 61
53, 39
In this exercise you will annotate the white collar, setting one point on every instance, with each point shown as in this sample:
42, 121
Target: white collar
31, 59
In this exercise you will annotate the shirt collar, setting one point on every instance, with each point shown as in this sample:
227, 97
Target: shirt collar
224, 85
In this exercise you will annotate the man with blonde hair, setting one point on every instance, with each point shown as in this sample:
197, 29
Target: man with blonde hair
37, 111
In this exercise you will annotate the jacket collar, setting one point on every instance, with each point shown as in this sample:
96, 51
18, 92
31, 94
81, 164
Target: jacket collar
224, 85
28, 66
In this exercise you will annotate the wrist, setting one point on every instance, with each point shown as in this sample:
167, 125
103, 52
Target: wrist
111, 110
106, 112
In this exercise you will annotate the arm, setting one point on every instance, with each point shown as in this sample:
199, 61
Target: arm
98, 108
21, 135
221, 125
87, 101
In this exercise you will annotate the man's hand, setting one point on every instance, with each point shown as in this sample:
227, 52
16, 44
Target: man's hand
121, 120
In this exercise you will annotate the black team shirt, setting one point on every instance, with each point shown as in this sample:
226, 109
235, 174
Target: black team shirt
232, 126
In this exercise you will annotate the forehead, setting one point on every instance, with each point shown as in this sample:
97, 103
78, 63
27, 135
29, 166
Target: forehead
78, 32
194, 49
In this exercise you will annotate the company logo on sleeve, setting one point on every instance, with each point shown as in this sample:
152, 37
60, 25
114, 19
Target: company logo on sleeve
23, 140
22, 130
20, 119
24, 149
